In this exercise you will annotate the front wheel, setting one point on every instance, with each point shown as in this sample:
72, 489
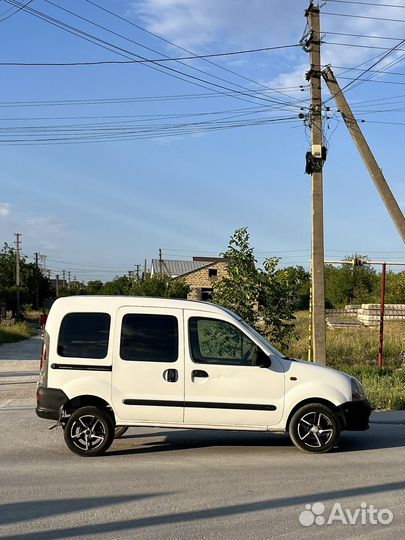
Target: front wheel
314, 428
89, 431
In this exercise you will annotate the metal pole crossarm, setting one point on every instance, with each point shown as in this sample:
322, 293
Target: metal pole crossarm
364, 150
370, 263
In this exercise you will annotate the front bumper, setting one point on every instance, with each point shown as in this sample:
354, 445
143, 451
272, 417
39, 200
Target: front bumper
49, 402
355, 415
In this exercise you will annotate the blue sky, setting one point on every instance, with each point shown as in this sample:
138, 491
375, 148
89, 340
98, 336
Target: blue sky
98, 208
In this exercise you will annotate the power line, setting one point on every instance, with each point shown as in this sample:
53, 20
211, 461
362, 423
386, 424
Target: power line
370, 80
177, 74
153, 50
141, 132
381, 111
5, 17
381, 122
178, 46
393, 49
144, 117
375, 57
146, 61
370, 71
362, 17
358, 45
361, 35
365, 3
130, 99
235, 113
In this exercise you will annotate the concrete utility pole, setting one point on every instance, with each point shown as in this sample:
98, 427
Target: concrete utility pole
364, 150
317, 255
63, 278
138, 270
57, 285
160, 261
17, 273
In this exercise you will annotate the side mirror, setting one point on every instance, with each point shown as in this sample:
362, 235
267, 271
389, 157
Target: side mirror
262, 359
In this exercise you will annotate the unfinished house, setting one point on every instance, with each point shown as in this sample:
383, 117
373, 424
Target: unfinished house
200, 274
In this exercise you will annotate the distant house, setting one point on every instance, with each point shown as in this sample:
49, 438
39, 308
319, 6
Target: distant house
200, 274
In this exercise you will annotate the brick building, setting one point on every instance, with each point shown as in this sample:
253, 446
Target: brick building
200, 274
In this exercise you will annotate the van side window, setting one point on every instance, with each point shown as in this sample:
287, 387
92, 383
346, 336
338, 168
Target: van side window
149, 338
84, 335
213, 341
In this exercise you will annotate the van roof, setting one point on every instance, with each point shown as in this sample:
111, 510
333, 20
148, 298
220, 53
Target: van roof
115, 302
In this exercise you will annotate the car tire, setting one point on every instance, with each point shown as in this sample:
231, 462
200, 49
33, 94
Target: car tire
89, 431
314, 428
119, 431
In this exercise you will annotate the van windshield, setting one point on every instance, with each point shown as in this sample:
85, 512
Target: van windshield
261, 339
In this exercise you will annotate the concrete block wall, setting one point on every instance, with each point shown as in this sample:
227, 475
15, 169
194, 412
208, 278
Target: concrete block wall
200, 279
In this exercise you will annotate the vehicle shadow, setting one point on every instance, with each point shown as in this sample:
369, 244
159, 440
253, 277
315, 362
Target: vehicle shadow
377, 437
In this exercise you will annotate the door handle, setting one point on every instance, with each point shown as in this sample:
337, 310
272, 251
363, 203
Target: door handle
171, 375
199, 373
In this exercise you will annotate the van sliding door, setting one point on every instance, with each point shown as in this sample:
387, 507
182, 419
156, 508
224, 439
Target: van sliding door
148, 366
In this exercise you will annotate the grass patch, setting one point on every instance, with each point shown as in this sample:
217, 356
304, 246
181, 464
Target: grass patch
16, 332
355, 351
352, 346
384, 389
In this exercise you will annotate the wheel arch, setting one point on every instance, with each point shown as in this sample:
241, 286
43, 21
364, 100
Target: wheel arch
321, 401
87, 400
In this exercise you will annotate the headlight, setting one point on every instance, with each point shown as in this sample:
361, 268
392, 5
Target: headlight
357, 390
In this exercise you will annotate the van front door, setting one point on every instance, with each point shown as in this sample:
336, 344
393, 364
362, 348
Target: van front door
224, 385
148, 366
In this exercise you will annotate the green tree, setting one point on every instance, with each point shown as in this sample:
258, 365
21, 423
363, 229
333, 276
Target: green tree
262, 297
349, 284
239, 290
119, 285
160, 286
94, 287
31, 279
394, 288
298, 282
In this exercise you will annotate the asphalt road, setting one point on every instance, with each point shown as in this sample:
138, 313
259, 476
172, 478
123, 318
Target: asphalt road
182, 484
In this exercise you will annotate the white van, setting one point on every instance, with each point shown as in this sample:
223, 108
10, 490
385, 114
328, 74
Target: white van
110, 362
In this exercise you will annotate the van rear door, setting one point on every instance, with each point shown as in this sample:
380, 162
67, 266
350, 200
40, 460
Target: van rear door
148, 365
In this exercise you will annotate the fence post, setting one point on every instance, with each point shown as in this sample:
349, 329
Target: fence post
382, 309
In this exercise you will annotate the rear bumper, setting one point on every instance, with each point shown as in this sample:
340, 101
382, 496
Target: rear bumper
355, 415
49, 402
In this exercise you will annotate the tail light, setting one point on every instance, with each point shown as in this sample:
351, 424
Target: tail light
43, 365
43, 356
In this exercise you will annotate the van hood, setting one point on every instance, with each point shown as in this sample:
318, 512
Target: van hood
313, 368
306, 371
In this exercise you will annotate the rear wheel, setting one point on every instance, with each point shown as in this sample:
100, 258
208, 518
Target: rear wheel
314, 428
89, 431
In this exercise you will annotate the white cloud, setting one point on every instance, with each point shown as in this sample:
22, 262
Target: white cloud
45, 232
210, 25
45, 224
5, 210
197, 23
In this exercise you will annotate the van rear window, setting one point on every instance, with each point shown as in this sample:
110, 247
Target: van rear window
149, 338
84, 335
